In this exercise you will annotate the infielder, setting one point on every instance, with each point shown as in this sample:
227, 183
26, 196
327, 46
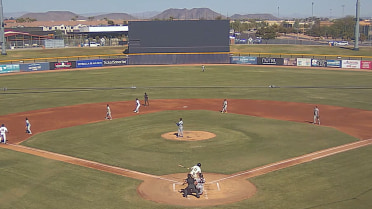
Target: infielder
28, 126
146, 97
224, 106
203, 68
108, 113
180, 128
138, 104
3, 131
195, 170
316, 115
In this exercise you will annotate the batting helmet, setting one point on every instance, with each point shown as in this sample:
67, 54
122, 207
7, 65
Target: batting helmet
199, 164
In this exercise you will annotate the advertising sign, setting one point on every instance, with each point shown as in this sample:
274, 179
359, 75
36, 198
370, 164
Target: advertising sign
34, 67
270, 61
89, 63
351, 64
318, 63
62, 65
334, 63
290, 61
9, 68
115, 62
304, 62
367, 65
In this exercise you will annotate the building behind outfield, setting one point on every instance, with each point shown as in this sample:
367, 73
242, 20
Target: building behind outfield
179, 42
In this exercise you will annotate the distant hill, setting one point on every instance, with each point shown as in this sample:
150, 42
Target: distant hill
66, 16
115, 16
53, 16
196, 13
254, 16
181, 14
145, 15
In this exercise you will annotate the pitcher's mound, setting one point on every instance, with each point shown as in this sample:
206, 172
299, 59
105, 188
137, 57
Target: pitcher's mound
189, 136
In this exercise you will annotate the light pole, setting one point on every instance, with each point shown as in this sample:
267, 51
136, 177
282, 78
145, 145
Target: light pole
356, 44
2, 38
343, 10
312, 10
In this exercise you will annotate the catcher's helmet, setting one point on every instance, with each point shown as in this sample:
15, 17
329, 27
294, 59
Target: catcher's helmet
199, 164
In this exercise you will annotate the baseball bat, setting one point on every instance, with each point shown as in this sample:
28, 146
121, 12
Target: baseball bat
182, 166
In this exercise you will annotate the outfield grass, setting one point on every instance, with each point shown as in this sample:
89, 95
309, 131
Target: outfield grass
236, 49
35, 90
242, 142
301, 49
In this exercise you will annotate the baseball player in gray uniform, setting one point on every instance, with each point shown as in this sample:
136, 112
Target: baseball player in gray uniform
180, 128
316, 115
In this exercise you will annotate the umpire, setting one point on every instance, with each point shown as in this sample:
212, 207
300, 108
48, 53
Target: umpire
191, 187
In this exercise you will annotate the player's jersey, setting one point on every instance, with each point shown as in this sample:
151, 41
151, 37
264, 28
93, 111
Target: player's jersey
138, 102
180, 123
316, 112
225, 103
27, 123
108, 110
3, 130
195, 170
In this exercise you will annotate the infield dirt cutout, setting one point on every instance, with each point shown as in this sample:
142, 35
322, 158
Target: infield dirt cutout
219, 189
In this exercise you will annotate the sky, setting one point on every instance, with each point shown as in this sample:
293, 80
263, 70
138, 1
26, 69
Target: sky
281, 8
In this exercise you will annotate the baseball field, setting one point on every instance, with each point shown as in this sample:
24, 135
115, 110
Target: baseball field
266, 152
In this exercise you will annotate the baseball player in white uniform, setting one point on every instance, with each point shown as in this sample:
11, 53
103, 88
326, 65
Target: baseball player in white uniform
28, 126
316, 115
224, 106
195, 170
138, 104
3, 131
180, 128
108, 113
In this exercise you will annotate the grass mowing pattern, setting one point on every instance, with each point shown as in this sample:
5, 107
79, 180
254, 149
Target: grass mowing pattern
242, 142
153, 80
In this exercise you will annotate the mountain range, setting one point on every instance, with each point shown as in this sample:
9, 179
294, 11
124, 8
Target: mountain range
195, 13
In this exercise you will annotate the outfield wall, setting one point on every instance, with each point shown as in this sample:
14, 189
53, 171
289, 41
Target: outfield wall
302, 62
165, 59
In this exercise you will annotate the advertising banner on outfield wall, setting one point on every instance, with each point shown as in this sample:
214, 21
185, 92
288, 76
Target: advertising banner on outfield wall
270, 61
334, 63
367, 65
304, 62
243, 60
290, 61
62, 65
115, 62
351, 64
34, 66
9, 68
318, 63
89, 63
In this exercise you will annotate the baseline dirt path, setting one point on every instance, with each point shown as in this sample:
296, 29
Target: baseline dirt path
220, 189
